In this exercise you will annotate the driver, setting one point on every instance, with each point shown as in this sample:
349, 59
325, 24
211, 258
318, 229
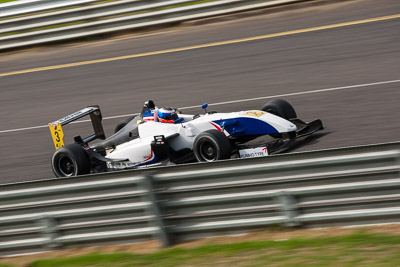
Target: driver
166, 114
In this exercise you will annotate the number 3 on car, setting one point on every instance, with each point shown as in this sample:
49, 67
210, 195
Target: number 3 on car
57, 134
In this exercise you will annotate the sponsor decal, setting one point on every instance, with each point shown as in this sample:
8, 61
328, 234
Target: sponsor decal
120, 165
255, 113
74, 115
253, 152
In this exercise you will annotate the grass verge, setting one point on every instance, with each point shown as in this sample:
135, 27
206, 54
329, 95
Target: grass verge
5, 1
357, 249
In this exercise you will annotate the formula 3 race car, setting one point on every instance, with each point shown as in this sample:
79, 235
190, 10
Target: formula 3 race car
160, 137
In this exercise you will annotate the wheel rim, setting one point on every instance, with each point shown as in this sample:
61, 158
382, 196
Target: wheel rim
208, 151
66, 166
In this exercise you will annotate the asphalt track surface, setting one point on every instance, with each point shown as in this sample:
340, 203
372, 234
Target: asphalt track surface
347, 75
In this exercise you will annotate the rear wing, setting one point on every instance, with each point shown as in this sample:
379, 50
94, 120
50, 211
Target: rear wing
95, 116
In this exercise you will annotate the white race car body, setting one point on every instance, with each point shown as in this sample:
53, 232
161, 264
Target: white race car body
144, 140
251, 122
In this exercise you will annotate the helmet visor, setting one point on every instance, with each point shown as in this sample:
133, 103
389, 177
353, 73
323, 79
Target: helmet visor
171, 117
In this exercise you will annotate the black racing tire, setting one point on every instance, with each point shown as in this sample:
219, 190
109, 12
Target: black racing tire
281, 108
70, 160
123, 122
211, 145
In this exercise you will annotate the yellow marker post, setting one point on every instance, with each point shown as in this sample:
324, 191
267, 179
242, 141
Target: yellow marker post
57, 134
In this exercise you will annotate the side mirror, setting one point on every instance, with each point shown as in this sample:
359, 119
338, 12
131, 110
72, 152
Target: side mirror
204, 106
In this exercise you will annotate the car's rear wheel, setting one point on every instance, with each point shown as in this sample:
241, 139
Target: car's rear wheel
211, 145
70, 160
281, 108
123, 122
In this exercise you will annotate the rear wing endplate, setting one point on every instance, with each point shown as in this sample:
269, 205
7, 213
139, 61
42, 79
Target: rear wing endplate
95, 116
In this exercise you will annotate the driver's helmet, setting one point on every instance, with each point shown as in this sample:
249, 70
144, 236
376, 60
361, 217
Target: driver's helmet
167, 115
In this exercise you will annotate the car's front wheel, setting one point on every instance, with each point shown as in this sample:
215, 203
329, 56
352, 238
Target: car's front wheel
281, 108
70, 160
211, 145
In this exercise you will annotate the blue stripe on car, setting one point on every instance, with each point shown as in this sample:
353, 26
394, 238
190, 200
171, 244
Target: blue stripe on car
246, 126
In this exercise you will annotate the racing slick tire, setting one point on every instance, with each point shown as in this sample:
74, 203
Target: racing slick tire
70, 160
281, 108
211, 145
123, 122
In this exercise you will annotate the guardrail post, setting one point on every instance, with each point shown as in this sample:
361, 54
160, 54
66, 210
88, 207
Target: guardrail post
289, 208
49, 231
155, 210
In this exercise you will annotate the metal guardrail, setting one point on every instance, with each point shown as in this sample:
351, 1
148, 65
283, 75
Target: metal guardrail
119, 8
113, 17
347, 186
22, 7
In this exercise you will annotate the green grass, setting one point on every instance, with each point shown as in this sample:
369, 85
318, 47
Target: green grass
5, 1
358, 249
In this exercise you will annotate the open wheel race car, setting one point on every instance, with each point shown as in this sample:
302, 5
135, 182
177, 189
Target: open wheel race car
164, 136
